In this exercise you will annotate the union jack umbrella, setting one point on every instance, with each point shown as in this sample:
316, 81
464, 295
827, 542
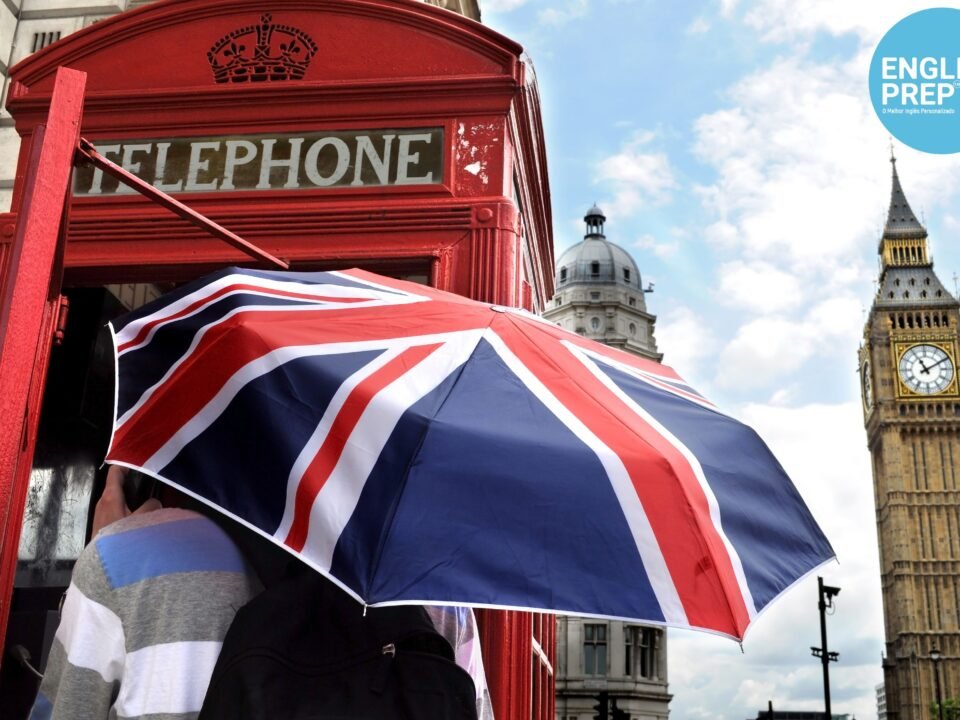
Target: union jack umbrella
416, 446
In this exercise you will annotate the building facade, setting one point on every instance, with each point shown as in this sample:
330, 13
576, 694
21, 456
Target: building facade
911, 408
600, 294
30, 25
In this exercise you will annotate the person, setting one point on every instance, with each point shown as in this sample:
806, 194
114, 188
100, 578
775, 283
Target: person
149, 604
143, 620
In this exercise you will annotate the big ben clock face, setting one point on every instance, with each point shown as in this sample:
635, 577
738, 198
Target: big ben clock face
867, 383
926, 369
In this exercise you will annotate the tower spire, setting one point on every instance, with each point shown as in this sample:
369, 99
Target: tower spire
904, 239
901, 220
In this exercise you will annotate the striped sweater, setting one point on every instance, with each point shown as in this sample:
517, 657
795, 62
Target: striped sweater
149, 603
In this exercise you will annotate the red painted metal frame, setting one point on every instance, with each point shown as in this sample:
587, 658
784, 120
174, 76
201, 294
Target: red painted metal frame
30, 301
383, 64
87, 151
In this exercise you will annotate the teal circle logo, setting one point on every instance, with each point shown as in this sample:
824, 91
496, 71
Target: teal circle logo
915, 80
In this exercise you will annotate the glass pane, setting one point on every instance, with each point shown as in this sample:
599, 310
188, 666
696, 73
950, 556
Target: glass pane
419, 278
601, 659
54, 524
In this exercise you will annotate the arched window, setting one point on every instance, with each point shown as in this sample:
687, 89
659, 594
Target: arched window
595, 323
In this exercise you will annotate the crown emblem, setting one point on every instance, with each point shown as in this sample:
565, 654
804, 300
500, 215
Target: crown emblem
261, 53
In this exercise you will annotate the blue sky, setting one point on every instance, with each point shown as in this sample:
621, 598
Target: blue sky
734, 149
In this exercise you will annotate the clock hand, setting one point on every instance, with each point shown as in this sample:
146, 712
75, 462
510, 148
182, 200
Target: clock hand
943, 360
926, 370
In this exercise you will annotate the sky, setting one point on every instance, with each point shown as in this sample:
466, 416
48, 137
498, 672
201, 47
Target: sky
733, 147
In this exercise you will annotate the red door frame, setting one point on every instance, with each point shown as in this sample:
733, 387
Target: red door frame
28, 308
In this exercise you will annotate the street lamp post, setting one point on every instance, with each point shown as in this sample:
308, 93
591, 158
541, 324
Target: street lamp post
935, 656
826, 595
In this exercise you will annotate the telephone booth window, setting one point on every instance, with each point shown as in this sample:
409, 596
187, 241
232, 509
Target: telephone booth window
54, 523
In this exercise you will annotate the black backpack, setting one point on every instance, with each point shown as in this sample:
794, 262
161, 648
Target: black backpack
305, 650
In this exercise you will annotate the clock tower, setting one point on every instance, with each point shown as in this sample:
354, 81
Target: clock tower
911, 407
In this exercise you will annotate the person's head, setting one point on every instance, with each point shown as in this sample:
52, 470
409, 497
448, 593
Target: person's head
127, 492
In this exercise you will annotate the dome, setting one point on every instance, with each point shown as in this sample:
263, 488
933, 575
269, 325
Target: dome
597, 260
594, 212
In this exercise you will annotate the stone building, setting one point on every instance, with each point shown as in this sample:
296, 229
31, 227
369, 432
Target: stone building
30, 25
600, 295
911, 409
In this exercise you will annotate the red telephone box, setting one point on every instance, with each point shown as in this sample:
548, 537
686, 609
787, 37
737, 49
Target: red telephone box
385, 134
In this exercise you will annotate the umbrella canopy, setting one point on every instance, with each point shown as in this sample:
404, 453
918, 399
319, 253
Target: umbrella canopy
416, 446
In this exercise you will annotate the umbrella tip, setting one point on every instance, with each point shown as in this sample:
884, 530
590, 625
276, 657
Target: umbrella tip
498, 308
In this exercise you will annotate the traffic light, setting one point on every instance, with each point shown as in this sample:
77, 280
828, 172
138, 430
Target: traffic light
618, 714
602, 708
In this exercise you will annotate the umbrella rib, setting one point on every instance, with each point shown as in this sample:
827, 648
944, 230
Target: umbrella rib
395, 502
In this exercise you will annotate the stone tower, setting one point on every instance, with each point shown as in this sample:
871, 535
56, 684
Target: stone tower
600, 295
911, 408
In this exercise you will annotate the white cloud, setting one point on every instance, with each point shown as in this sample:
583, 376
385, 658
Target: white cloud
801, 158
784, 397
699, 26
502, 6
686, 340
660, 249
755, 693
728, 6
636, 176
561, 15
763, 351
721, 233
799, 162
768, 350
800, 195
781, 20
758, 287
